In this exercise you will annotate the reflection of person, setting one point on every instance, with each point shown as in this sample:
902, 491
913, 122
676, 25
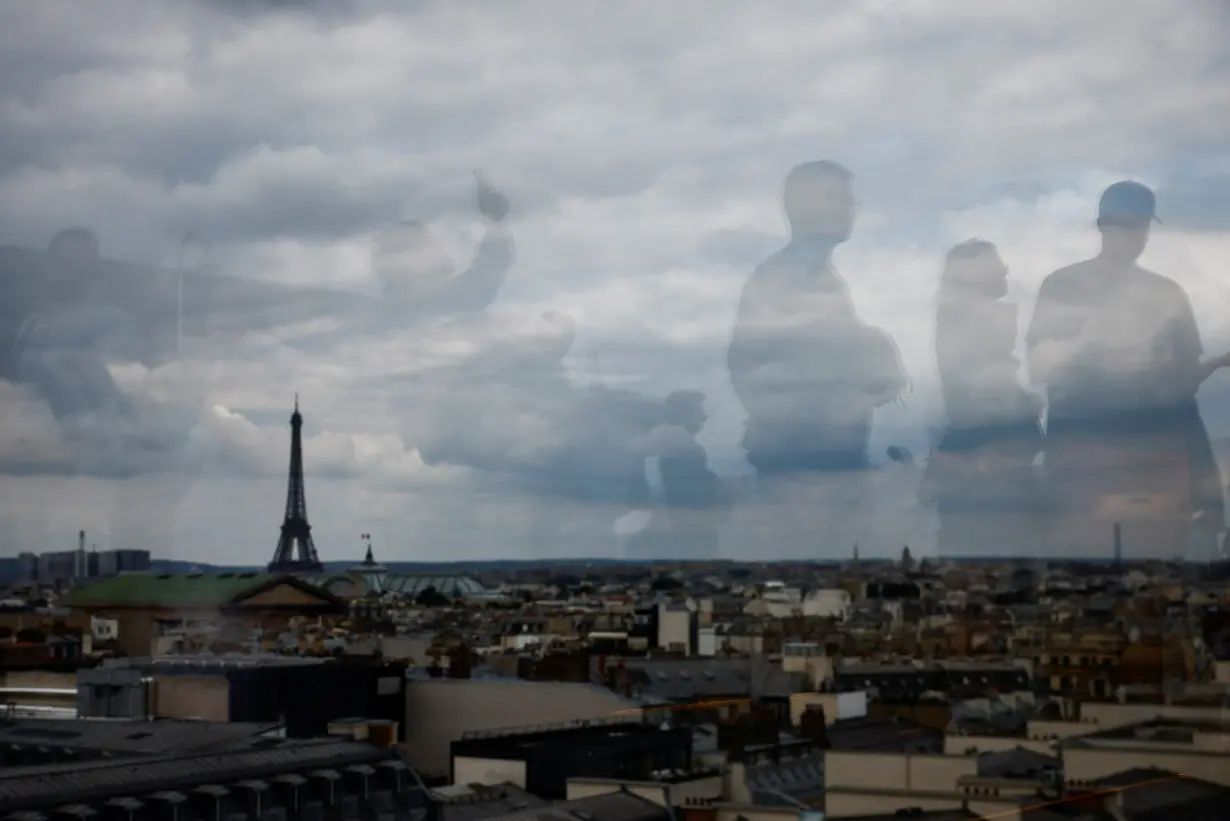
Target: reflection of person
417, 275
981, 477
569, 447
694, 502
807, 369
810, 374
1119, 351
63, 347
64, 351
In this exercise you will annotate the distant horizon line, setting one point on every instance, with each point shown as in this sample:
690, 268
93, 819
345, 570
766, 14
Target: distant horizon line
578, 561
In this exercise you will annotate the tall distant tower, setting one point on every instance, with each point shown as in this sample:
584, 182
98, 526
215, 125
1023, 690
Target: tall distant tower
1118, 563
296, 552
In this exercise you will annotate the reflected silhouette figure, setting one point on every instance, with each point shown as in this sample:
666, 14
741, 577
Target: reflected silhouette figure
981, 477
573, 458
1119, 351
418, 278
62, 347
64, 351
807, 369
692, 502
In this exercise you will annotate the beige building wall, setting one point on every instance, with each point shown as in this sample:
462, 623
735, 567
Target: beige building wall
749, 644
1057, 730
736, 783
836, 705
675, 795
41, 680
1212, 742
412, 648
1082, 765
440, 711
1221, 672
469, 770
959, 744
741, 812
135, 631
799, 702
1109, 715
895, 771
44, 679
201, 698
674, 630
843, 804
999, 811
856, 803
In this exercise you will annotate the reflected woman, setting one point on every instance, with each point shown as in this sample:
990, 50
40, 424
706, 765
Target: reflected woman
981, 477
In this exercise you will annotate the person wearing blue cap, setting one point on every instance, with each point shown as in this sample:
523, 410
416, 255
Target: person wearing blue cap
1119, 352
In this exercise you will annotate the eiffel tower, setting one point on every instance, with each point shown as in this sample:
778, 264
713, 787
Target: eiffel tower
296, 552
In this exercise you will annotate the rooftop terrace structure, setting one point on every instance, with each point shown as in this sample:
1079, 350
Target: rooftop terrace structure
547, 756
315, 777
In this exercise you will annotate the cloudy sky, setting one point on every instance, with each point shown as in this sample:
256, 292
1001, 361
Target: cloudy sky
643, 148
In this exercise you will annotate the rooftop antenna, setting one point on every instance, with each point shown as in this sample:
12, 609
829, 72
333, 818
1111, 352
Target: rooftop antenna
1118, 537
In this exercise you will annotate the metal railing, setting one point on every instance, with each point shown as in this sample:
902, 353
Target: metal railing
528, 729
13, 711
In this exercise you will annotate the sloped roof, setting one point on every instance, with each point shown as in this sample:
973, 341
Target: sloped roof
616, 806
446, 584
788, 782
883, 735
134, 737
179, 590
54, 785
479, 802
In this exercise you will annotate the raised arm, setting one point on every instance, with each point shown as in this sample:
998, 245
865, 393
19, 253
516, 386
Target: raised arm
480, 284
1184, 368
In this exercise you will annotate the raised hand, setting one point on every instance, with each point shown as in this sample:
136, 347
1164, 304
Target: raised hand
491, 203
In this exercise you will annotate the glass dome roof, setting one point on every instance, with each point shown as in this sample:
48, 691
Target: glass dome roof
445, 584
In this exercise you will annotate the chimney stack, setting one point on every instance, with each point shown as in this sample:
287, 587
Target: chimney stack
80, 566
1118, 546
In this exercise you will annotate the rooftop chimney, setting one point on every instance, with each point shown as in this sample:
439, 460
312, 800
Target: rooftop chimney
81, 540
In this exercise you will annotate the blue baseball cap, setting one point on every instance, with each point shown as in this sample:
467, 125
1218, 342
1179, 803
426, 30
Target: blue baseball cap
1128, 201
